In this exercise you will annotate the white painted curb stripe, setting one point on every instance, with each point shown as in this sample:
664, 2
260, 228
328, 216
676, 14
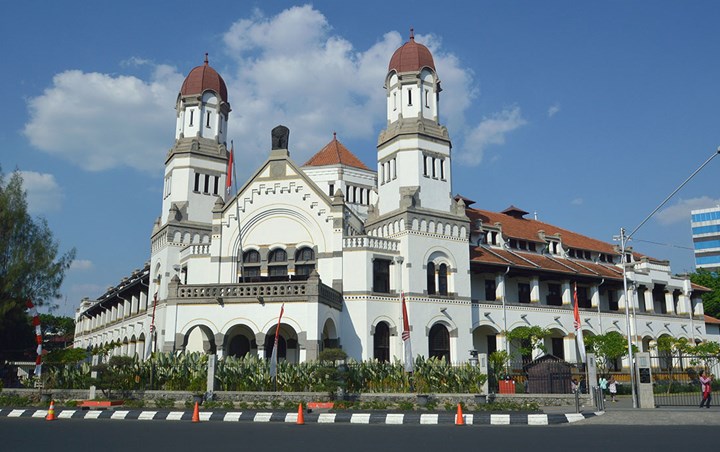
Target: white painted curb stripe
174, 416
66, 414
469, 418
205, 415
574, 417
429, 419
262, 417
15, 413
93, 414
360, 418
537, 419
40, 413
326, 418
147, 415
499, 419
119, 415
291, 418
232, 416
394, 418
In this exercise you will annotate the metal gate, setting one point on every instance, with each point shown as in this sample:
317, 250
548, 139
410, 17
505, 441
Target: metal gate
676, 381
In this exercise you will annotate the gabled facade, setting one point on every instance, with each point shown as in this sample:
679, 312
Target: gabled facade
338, 244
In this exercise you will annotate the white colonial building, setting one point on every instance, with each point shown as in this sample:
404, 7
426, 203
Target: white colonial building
338, 243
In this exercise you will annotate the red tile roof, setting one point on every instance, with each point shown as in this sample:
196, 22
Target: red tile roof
527, 229
335, 153
411, 57
203, 78
712, 320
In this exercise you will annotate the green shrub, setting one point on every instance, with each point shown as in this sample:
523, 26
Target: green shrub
135, 403
406, 405
165, 403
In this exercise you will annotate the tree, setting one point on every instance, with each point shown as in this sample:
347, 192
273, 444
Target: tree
711, 300
30, 266
607, 348
527, 339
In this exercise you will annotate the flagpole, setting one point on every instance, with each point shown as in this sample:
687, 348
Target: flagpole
237, 216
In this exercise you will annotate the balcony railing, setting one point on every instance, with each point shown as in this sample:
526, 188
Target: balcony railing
370, 243
310, 290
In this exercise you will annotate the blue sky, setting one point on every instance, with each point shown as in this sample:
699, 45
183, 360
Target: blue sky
588, 113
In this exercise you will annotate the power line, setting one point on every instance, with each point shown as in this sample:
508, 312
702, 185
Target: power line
665, 244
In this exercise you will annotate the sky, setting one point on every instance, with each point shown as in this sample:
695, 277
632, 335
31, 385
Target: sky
587, 114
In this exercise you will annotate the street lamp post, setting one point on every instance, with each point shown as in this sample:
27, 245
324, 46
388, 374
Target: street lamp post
623, 245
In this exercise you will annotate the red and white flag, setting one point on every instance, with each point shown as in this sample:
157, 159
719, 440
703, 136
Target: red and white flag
406, 337
228, 178
273, 357
38, 335
578, 327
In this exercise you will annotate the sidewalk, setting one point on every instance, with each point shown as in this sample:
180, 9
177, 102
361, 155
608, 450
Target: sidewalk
623, 413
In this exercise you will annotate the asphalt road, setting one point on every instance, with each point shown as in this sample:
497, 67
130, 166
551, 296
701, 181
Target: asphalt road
135, 436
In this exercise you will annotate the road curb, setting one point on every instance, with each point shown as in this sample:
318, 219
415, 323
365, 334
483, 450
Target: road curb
310, 418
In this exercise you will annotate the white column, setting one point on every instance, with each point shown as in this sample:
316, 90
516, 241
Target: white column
566, 294
535, 289
594, 296
648, 297
669, 302
500, 287
683, 304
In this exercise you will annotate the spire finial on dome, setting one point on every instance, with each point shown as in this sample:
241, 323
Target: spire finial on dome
412, 34
334, 135
206, 58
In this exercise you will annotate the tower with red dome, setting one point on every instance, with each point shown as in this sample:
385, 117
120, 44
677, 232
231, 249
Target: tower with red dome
415, 177
414, 149
195, 170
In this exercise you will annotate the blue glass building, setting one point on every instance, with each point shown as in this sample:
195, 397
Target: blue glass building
706, 238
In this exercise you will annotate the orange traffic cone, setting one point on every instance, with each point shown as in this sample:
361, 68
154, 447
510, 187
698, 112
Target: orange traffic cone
459, 418
51, 412
301, 416
196, 413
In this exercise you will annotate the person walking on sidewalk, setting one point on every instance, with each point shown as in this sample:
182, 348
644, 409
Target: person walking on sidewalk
603, 383
706, 387
612, 386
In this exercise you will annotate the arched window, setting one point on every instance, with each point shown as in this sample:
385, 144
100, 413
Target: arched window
270, 343
442, 279
439, 342
431, 278
381, 342
239, 346
304, 262
251, 257
277, 263
251, 264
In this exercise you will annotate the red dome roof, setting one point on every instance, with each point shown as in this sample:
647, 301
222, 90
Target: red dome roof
203, 78
411, 57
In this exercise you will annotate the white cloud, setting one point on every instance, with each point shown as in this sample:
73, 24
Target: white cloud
292, 68
43, 192
81, 264
553, 110
577, 202
100, 121
488, 132
680, 211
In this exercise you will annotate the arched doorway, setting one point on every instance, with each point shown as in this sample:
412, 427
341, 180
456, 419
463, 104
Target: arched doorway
288, 347
381, 342
199, 339
240, 341
439, 342
329, 335
485, 339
